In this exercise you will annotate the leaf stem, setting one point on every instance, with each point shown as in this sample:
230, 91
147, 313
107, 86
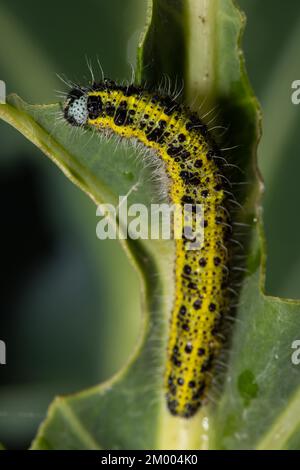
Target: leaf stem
183, 434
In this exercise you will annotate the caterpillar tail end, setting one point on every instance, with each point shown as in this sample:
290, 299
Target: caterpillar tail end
186, 410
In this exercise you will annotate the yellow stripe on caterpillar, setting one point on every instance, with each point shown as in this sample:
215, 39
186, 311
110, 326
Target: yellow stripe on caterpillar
182, 142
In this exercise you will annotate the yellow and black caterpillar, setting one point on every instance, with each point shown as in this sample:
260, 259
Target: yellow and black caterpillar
194, 168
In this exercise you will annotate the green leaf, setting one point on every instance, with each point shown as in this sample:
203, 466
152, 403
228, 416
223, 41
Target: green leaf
103, 173
260, 405
198, 42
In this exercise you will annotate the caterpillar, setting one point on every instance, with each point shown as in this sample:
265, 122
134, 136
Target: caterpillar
191, 160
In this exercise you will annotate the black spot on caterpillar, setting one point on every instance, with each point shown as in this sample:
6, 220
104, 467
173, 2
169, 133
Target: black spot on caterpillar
190, 157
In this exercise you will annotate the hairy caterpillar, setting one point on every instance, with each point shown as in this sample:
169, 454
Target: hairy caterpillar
192, 163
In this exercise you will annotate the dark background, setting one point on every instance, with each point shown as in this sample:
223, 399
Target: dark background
61, 316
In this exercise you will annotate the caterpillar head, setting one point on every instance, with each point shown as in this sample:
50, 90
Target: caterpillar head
76, 107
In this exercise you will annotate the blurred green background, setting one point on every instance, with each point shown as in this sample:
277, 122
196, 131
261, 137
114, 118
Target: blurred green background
66, 297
